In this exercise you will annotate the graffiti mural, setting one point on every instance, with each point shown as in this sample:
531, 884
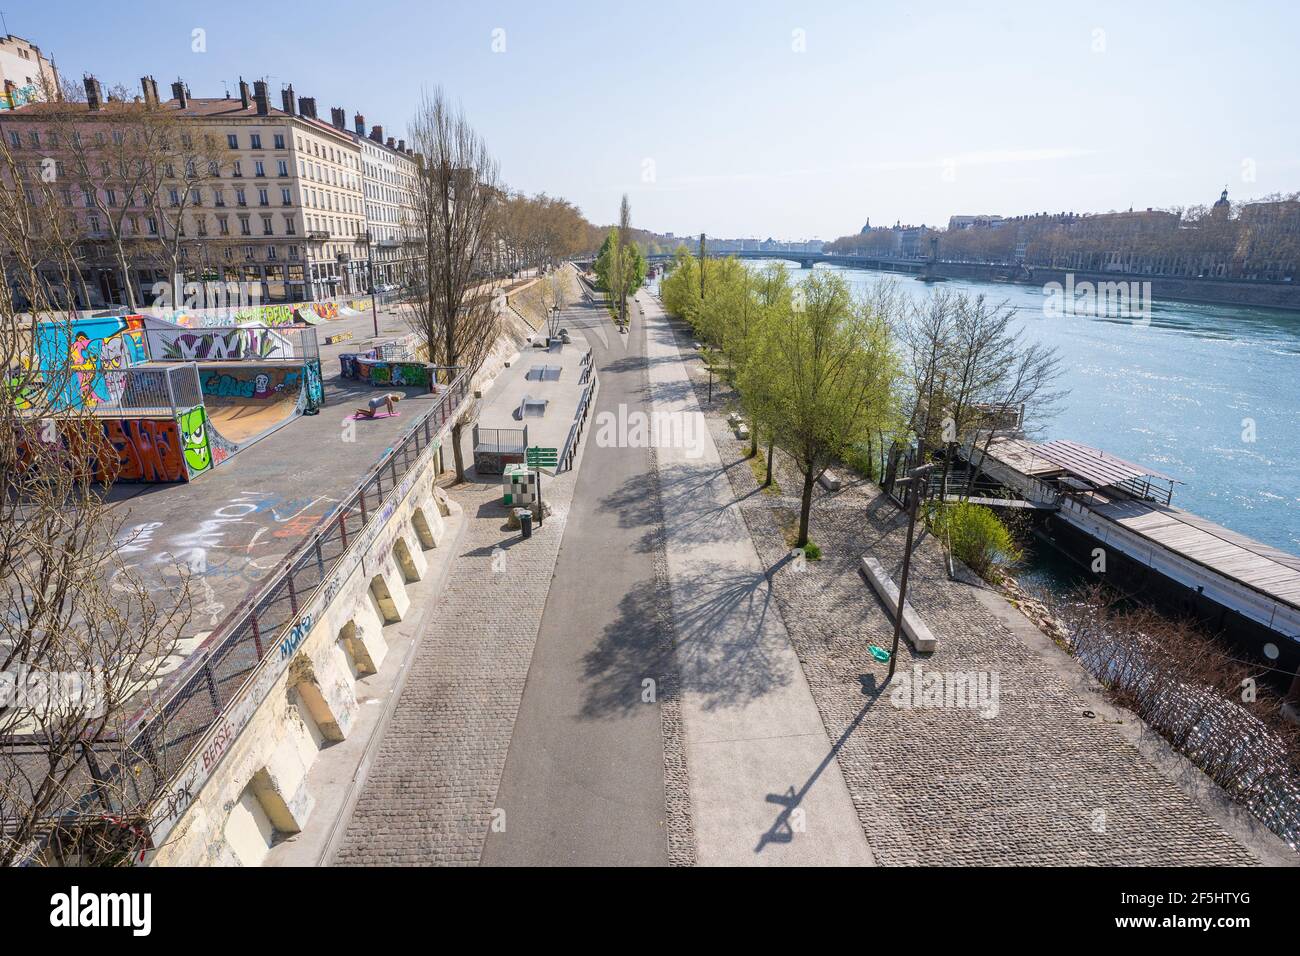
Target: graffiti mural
194, 440
313, 389
366, 368
89, 348
21, 96
148, 450
217, 344
327, 310
269, 383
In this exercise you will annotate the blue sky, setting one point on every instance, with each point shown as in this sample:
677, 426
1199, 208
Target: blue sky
771, 118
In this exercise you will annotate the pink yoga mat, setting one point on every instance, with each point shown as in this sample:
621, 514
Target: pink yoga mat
354, 417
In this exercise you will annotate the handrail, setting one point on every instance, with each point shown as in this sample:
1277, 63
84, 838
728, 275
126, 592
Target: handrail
166, 731
327, 522
565, 460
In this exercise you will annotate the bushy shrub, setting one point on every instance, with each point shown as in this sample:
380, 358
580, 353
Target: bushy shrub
976, 536
861, 460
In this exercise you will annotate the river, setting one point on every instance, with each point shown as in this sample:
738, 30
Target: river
1209, 394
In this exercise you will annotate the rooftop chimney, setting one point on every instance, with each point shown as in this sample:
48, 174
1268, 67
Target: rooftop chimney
94, 95
377, 133
243, 93
339, 117
181, 94
401, 145
150, 99
286, 99
359, 122
307, 106
260, 98
392, 143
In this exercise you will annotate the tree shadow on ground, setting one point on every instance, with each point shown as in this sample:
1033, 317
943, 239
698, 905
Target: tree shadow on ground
632, 650
781, 830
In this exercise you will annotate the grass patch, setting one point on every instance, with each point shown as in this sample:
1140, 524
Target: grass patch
789, 521
758, 465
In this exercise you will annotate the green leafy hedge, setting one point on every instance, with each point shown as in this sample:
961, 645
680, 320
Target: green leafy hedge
977, 536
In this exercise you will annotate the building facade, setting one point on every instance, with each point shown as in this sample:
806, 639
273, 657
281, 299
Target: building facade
281, 206
388, 180
26, 74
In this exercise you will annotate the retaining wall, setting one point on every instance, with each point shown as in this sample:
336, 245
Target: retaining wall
246, 786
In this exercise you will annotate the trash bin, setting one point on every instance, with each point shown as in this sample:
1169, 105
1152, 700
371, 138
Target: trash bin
525, 521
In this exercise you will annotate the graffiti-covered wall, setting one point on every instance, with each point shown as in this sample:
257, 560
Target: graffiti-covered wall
269, 383
179, 345
383, 372
150, 450
89, 348
285, 314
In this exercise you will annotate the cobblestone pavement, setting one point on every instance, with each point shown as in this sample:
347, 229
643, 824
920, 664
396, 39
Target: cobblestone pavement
1039, 783
430, 793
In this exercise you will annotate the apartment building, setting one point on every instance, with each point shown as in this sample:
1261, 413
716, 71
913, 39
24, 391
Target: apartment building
388, 178
26, 74
282, 204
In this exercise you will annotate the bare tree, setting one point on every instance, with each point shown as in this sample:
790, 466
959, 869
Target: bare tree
452, 305
83, 639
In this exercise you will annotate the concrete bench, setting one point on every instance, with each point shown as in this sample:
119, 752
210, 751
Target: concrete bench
829, 480
914, 629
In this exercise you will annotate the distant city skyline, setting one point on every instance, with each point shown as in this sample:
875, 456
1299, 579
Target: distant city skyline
767, 119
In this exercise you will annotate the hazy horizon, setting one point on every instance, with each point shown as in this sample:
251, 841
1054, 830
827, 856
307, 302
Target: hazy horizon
770, 119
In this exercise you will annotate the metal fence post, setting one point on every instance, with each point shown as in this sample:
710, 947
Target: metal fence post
212, 685
171, 394
257, 632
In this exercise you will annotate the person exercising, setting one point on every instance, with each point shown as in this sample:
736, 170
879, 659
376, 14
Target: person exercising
379, 401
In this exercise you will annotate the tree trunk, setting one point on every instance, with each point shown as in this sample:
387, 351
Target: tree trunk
456, 430
127, 287
804, 508
753, 439
771, 449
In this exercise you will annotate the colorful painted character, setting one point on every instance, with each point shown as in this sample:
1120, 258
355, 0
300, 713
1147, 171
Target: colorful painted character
194, 439
261, 385
83, 363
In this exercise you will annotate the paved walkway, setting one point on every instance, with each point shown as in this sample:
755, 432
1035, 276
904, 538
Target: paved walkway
765, 785
431, 789
520, 737
1056, 776
584, 780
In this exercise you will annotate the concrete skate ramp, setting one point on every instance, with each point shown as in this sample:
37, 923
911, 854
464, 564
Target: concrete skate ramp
247, 401
239, 422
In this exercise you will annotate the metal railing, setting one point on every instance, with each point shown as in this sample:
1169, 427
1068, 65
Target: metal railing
166, 731
144, 391
501, 441
246, 343
570, 449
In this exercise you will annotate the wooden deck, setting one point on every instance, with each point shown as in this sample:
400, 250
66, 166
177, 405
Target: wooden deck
1220, 549
1225, 552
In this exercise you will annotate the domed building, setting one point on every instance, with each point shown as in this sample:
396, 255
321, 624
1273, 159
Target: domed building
1222, 208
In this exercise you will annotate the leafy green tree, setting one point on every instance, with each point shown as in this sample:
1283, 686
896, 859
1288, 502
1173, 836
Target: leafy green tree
827, 369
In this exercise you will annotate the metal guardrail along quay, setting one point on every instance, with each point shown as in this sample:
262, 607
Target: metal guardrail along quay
165, 732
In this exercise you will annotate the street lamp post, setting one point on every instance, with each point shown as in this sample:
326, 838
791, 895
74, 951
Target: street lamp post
916, 482
370, 277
